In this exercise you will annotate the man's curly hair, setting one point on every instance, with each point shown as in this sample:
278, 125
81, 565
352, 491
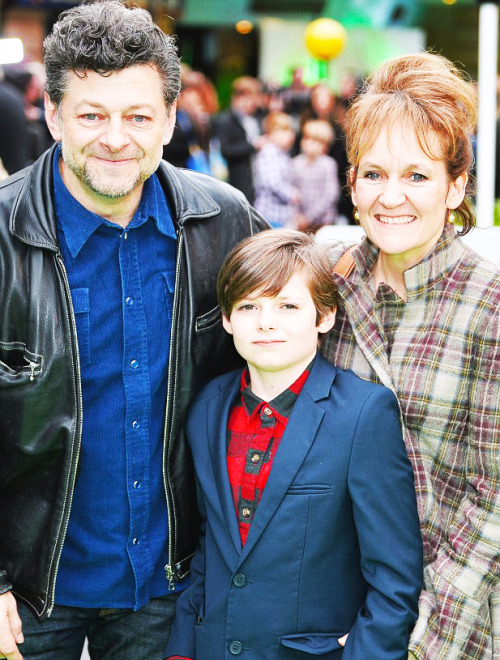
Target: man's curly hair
106, 36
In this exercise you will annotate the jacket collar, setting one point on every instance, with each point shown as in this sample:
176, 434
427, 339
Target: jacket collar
424, 275
33, 217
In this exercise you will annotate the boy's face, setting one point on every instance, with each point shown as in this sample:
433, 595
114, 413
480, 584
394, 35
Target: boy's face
311, 147
278, 334
283, 138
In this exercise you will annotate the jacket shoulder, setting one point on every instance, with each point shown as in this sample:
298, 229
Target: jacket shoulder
221, 383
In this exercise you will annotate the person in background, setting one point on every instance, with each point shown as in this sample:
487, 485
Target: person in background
190, 143
419, 312
310, 542
314, 174
109, 325
239, 133
14, 139
29, 78
326, 106
275, 196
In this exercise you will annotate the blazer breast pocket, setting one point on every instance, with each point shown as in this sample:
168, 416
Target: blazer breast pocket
309, 489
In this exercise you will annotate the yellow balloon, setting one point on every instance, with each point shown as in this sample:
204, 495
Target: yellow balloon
325, 38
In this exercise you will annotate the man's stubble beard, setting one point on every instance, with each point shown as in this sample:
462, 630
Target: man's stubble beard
106, 186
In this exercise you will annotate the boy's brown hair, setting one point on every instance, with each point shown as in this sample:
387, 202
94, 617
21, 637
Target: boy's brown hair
265, 262
318, 129
277, 121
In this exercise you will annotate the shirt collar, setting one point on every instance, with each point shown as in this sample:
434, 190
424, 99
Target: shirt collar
427, 272
78, 223
281, 405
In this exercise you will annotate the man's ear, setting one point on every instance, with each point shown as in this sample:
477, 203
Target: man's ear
170, 123
226, 324
52, 118
327, 322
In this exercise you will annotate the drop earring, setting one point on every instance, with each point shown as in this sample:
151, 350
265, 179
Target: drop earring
356, 215
451, 217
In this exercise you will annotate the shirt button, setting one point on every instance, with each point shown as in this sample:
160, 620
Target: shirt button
239, 580
125, 235
236, 648
134, 364
255, 458
129, 301
135, 424
246, 512
268, 411
135, 541
137, 484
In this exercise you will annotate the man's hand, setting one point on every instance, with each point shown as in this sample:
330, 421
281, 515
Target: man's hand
10, 628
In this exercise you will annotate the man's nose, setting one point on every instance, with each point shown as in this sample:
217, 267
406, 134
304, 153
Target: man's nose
115, 136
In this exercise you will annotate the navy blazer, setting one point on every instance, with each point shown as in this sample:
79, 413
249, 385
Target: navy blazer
335, 543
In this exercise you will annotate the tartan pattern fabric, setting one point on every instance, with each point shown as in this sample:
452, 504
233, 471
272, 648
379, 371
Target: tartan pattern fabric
440, 353
254, 431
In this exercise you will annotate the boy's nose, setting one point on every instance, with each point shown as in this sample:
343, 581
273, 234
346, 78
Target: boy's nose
267, 320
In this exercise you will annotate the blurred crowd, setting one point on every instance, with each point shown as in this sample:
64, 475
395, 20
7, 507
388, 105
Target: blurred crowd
282, 146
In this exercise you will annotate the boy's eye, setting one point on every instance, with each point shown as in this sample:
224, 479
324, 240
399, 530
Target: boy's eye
246, 306
290, 306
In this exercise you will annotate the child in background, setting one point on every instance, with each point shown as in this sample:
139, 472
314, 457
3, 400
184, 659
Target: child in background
310, 542
315, 175
275, 197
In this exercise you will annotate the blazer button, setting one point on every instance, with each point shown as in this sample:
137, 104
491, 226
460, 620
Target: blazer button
239, 580
236, 648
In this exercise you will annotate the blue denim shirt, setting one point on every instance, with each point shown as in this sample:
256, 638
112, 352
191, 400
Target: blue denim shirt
122, 284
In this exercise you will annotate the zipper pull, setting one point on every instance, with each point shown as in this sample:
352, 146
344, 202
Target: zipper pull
33, 366
170, 577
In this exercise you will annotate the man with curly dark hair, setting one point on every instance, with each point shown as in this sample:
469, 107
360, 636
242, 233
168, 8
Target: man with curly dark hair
108, 263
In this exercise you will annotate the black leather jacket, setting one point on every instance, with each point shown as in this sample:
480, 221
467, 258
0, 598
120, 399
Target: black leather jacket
40, 398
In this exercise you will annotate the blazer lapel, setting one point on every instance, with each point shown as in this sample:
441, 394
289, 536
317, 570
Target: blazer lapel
218, 413
294, 446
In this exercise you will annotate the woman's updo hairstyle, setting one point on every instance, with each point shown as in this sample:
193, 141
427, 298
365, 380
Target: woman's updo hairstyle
430, 94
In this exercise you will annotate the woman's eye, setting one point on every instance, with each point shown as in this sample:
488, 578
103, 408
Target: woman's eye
373, 176
415, 176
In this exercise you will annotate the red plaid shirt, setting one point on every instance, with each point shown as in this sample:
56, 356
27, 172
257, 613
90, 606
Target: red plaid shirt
254, 431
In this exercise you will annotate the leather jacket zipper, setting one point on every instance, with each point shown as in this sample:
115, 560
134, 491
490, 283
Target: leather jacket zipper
170, 568
76, 446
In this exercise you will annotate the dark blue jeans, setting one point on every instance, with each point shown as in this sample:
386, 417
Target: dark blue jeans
112, 634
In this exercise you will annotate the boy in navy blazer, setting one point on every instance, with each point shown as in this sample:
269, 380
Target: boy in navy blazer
310, 543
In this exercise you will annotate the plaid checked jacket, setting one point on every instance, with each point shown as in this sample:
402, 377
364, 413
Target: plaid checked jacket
440, 353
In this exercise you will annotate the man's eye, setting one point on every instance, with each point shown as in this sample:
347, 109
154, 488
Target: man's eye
139, 119
91, 116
